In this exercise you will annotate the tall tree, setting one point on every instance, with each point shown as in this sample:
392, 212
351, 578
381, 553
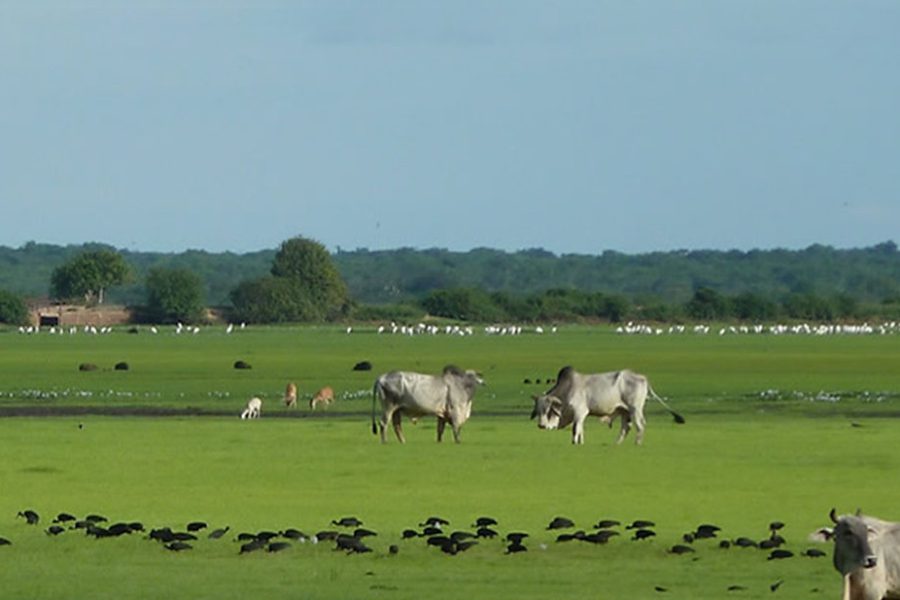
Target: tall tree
88, 275
174, 295
308, 264
12, 309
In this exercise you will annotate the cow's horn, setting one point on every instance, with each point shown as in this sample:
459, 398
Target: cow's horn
833, 515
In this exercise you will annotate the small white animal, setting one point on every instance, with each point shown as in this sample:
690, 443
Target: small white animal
254, 405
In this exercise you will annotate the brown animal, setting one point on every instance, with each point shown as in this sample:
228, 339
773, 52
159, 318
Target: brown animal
324, 396
290, 395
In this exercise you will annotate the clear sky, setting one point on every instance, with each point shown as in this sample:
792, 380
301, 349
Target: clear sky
576, 126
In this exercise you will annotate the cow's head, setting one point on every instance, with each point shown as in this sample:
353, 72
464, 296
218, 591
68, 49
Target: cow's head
851, 537
548, 410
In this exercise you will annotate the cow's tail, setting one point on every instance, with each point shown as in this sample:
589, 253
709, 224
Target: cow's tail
374, 397
678, 418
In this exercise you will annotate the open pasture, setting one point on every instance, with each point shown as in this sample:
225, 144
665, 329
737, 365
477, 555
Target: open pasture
747, 456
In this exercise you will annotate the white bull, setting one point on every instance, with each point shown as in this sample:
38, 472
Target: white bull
447, 396
867, 555
254, 406
606, 395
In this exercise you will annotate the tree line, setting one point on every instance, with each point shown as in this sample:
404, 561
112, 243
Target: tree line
301, 281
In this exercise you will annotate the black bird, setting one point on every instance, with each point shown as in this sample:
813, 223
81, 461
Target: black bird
813, 553
736, 588
688, 538
516, 537
643, 534
640, 524
178, 546
245, 537
434, 522
294, 534
5, 542
484, 522
776, 585
118, 529
706, 531
568, 537
347, 522
163, 535
600, 537
526, 381
744, 542
776, 554
680, 549
463, 546
606, 524
516, 547
361, 533
432, 531
63, 518
458, 536
183, 536
266, 535
409, 533
775, 525
252, 546
196, 526
96, 518
439, 540
81, 524
560, 523
660, 588
217, 533
393, 549
486, 532
326, 536
136, 526
97, 532
768, 544
55, 530
277, 546
724, 544
31, 517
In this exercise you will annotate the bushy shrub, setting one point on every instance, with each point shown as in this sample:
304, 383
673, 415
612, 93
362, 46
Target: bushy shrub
12, 309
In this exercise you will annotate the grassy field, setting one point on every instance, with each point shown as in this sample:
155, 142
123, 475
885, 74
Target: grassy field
748, 455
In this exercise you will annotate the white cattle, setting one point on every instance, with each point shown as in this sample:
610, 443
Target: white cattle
447, 396
867, 555
606, 395
254, 405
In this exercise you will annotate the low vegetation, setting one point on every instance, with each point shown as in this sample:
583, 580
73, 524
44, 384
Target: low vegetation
779, 428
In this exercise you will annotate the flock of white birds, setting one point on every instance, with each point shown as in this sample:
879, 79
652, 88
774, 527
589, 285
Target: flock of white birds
630, 328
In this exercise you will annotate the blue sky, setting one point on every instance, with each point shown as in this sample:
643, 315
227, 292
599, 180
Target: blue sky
574, 126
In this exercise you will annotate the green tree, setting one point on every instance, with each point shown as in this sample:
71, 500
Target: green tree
273, 300
308, 264
174, 295
12, 309
708, 304
88, 275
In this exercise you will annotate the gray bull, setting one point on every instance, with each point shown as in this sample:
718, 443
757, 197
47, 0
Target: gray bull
447, 396
606, 395
867, 555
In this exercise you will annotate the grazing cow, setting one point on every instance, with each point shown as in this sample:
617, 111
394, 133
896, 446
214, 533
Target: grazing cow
325, 397
447, 396
867, 555
290, 395
254, 405
605, 395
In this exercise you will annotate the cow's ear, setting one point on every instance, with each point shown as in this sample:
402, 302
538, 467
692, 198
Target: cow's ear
533, 413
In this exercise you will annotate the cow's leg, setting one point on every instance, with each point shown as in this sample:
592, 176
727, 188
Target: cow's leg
398, 430
578, 428
626, 427
455, 425
639, 423
382, 424
441, 424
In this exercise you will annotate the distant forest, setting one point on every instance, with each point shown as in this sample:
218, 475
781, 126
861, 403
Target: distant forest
865, 275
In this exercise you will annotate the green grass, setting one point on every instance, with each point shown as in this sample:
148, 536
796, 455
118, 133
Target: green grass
739, 462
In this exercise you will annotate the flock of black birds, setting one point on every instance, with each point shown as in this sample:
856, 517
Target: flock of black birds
348, 535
